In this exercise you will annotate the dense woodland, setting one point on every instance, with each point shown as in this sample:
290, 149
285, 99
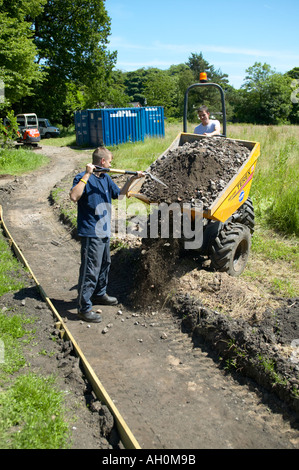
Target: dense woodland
54, 60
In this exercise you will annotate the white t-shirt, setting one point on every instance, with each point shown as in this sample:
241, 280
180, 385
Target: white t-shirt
211, 127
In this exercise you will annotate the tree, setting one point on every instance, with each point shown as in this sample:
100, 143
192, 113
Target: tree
198, 64
257, 74
18, 70
264, 97
117, 96
71, 38
159, 89
134, 83
9, 131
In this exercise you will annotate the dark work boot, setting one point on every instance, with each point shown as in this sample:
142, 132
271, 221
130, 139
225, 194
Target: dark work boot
90, 316
104, 300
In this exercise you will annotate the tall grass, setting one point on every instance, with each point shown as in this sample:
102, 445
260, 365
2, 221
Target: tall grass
16, 162
275, 189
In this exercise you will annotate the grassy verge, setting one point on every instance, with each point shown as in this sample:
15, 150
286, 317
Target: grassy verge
17, 162
31, 405
10, 273
275, 190
67, 138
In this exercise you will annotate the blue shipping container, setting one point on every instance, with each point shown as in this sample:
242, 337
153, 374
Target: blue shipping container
82, 127
95, 123
122, 125
154, 121
115, 126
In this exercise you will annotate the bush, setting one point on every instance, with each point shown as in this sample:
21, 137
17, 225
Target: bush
10, 132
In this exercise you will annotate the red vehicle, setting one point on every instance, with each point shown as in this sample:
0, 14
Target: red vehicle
28, 128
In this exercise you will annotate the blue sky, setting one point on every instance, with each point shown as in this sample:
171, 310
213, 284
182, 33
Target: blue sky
232, 35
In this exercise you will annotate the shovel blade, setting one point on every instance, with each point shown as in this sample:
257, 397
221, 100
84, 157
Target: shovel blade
156, 179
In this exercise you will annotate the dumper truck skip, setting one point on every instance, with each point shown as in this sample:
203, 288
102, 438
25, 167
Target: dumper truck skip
228, 223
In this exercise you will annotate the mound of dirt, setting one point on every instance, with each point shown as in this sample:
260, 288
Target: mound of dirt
196, 171
157, 265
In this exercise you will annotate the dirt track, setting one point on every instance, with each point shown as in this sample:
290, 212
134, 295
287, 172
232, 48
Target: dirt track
171, 394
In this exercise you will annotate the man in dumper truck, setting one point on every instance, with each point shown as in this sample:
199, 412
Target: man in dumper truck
207, 127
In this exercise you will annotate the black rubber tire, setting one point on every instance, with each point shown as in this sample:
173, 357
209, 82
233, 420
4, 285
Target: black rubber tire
245, 215
230, 250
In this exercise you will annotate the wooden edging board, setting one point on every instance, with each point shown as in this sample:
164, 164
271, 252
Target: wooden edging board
126, 435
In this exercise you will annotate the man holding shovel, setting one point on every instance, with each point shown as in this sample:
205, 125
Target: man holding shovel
93, 191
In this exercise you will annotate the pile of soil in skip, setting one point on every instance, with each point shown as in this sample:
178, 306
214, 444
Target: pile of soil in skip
195, 172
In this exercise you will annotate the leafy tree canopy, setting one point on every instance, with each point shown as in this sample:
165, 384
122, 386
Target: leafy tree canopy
71, 38
18, 69
264, 97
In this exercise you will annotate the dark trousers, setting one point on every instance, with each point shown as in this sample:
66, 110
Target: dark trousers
94, 270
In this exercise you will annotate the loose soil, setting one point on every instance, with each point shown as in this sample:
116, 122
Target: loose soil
195, 172
181, 373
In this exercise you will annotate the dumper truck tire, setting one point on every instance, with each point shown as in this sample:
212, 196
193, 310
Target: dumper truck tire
245, 215
230, 250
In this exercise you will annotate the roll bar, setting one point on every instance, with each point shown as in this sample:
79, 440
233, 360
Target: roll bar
222, 101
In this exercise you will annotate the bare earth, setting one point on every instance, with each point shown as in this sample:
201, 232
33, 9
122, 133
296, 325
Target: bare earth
162, 369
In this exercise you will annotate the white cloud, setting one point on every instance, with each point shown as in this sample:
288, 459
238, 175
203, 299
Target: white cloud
145, 63
120, 43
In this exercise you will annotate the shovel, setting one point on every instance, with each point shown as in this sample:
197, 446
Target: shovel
127, 172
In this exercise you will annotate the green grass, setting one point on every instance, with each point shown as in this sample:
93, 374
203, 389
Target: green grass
12, 334
11, 277
31, 415
31, 406
274, 262
17, 162
67, 138
272, 247
275, 189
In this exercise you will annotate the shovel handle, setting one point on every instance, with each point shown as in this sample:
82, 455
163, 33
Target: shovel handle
112, 170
